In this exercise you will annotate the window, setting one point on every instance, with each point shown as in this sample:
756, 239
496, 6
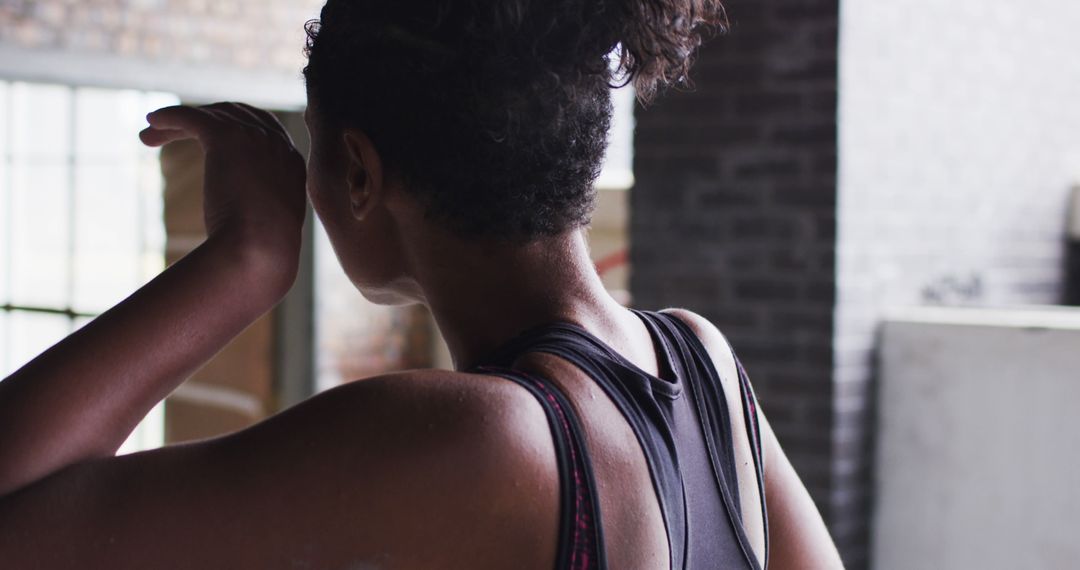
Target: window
80, 215
618, 171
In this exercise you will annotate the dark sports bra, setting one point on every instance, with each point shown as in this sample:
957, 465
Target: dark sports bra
681, 421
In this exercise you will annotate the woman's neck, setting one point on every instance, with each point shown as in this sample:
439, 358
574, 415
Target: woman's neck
483, 296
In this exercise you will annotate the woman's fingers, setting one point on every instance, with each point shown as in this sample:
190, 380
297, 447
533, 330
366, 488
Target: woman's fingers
197, 122
208, 122
151, 136
260, 119
253, 178
232, 112
268, 119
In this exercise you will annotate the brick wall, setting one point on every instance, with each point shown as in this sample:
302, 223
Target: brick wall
246, 34
960, 137
200, 50
733, 211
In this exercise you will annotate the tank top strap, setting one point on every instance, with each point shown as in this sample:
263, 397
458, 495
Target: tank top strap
704, 382
581, 348
581, 536
660, 416
753, 427
642, 399
694, 351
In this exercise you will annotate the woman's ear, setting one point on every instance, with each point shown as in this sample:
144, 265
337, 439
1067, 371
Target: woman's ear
364, 172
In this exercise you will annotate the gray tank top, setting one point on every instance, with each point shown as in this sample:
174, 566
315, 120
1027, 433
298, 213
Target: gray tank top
683, 424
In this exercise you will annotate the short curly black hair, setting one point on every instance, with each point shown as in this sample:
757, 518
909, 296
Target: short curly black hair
495, 112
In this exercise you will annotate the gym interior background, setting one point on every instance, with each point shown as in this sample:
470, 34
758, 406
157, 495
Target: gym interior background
844, 181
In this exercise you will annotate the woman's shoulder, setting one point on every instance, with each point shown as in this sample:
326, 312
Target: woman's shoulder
460, 464
714, 341
434, 398
466, 459
439, 407
469, 443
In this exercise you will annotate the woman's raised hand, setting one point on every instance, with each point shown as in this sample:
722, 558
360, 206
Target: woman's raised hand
253, 190
130, 357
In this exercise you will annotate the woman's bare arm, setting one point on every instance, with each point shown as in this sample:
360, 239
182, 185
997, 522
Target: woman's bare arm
798, 538
357, 476
420, 469
81, 398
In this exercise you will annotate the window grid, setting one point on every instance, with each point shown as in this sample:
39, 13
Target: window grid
18, 317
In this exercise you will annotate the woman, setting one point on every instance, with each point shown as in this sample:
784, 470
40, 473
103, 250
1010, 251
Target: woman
454, 146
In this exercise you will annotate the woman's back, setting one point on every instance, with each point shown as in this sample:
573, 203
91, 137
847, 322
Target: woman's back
414, 470
662, 445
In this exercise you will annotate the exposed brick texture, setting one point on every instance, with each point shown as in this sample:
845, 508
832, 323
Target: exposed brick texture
957, 145
733, 213
243, 34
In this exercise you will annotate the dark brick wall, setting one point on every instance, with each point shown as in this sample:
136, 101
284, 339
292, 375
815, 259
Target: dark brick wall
950, 188
733, 213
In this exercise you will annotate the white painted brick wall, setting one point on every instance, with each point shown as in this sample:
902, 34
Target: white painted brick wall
959, 139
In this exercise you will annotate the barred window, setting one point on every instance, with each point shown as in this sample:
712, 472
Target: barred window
81, 223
